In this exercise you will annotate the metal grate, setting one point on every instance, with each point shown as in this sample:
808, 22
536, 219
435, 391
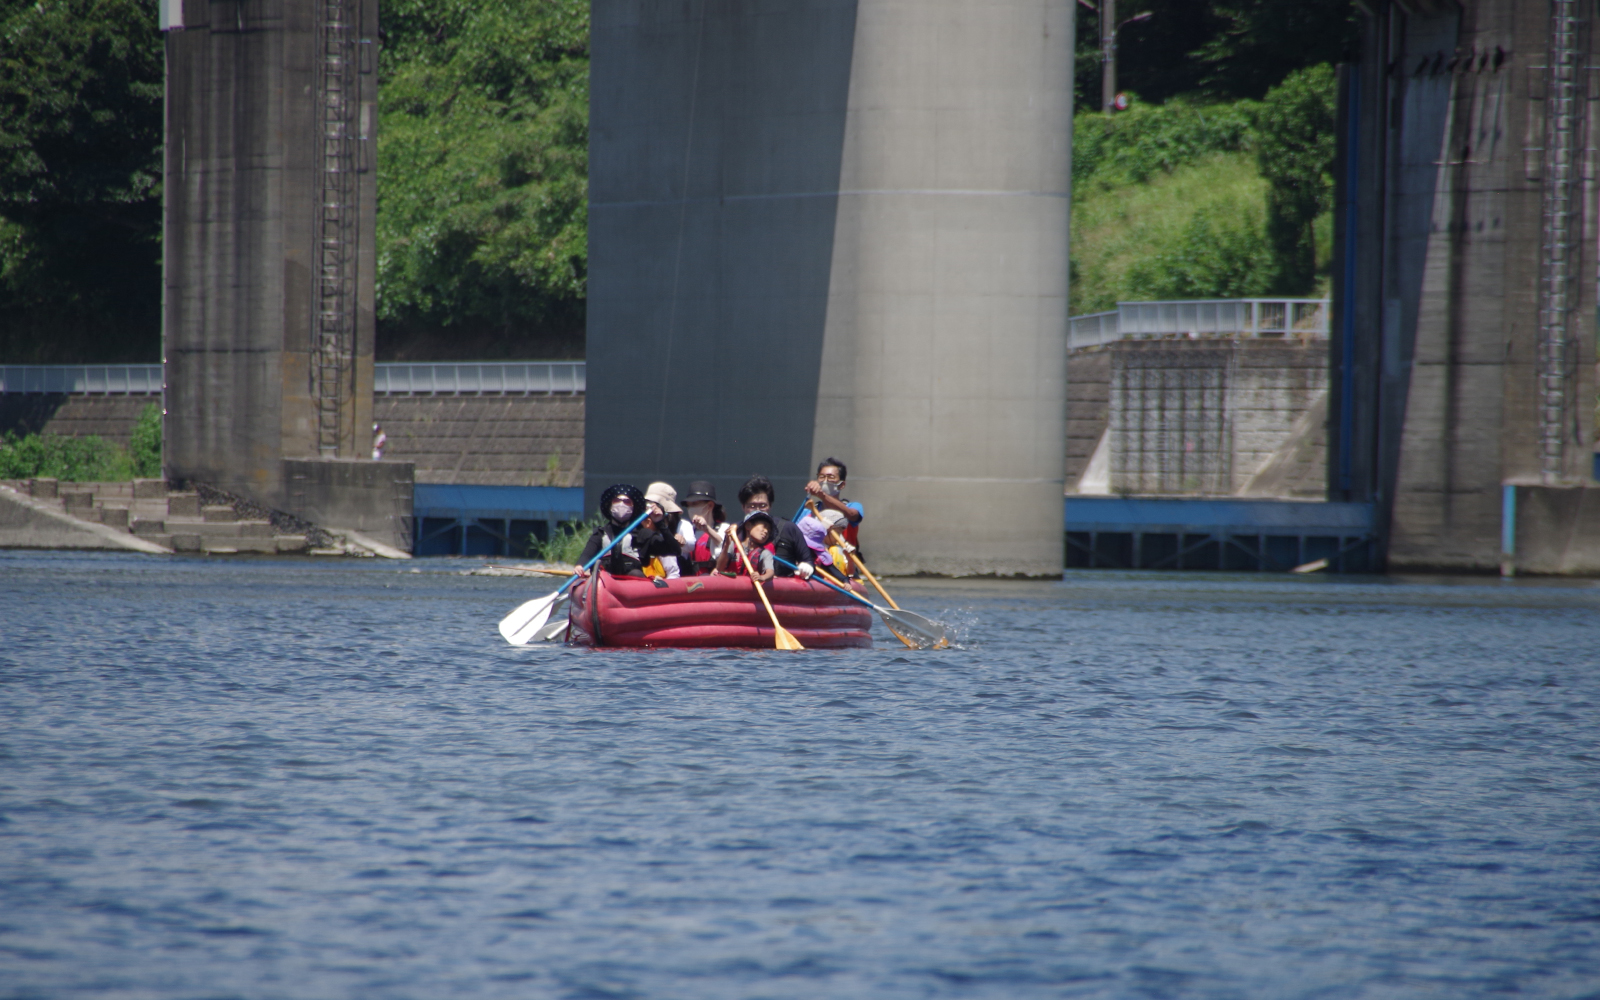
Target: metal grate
333, 325
1558, 250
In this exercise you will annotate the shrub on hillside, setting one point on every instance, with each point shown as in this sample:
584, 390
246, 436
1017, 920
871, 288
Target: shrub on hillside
1222, 254
56, 456
144, 445
1133, 145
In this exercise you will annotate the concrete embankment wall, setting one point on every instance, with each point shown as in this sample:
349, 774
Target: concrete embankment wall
1202, 417
487, 440
495, 440
73, 414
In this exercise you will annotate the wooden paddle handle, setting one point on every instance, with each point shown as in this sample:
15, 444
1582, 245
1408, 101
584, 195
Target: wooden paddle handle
852, 556
745, 558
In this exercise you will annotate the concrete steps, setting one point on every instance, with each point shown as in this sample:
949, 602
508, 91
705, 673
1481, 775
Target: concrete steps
176, 521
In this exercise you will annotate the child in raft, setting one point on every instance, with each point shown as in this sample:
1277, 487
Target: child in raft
756, 538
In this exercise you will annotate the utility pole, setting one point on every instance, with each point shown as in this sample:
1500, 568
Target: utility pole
1108, 55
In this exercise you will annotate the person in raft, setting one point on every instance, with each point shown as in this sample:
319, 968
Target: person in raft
828, 491
664, 558
757, 494
705, 520
756, 536
619, 505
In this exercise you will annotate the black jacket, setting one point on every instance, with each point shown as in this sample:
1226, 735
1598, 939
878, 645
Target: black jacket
790, 545
626, 557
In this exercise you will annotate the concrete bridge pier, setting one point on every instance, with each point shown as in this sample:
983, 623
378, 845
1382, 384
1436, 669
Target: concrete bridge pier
838, 227
1464, 345
269, 259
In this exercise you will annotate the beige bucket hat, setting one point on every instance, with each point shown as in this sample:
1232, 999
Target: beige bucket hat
665, 495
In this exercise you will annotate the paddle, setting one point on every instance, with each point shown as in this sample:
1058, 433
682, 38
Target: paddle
780, 634
908, 626
855, 557
521, 626
849, 550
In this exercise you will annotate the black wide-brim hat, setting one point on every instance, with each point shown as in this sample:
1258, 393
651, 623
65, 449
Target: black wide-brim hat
700, 490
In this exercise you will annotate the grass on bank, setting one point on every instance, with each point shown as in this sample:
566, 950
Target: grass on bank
85, 459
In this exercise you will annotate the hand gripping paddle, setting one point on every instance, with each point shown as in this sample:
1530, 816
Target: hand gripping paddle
523, 625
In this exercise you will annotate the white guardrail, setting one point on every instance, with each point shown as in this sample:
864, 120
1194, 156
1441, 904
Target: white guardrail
1202, 319
520, 378
390, 378
99, 380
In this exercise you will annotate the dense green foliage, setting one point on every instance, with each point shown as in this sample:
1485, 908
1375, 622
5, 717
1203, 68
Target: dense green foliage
84, 459
1221, 50
1143, 228
1125, 237
1294, 150
1132, 146
144, 444
56, 456
483, 161
80, 181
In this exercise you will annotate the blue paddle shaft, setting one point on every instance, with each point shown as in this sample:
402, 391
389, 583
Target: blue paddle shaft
828, 583
599, 555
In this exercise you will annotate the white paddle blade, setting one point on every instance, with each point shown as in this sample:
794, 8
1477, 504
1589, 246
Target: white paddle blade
914, 630
520, 626
555, 630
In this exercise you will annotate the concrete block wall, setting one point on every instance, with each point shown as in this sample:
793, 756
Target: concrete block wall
1207, 417
73, 414
486, 440
1088, 407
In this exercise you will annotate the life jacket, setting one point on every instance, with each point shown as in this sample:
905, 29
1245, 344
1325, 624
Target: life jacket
703, 556
753, 553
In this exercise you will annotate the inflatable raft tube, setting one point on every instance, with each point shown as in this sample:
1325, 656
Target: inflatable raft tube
710, 611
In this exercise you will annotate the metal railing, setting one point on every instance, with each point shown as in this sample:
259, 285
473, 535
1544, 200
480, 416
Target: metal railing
390, 378
98, 380
1202, 319
396, 378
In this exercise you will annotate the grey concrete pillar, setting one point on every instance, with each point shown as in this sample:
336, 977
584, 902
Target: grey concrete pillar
269, 239
944, 366
834, 227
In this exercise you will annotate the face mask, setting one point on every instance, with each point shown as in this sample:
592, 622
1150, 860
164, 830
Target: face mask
832, 489
622, 511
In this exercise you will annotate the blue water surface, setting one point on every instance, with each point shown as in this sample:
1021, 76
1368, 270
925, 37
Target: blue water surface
298, 779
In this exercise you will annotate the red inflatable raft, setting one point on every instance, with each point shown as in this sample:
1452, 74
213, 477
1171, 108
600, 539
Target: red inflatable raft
611, 610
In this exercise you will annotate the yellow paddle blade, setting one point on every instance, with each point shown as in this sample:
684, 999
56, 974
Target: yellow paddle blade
785, 640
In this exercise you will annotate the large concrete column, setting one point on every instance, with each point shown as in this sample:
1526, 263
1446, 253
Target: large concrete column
944, 364
834, 227
1455, 210
263, 183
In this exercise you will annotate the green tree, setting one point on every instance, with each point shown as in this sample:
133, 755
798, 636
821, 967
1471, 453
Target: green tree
1294, 151
80, 180
1257, 43
482, 183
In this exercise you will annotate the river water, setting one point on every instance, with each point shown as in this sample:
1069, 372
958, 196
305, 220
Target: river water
264, 779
